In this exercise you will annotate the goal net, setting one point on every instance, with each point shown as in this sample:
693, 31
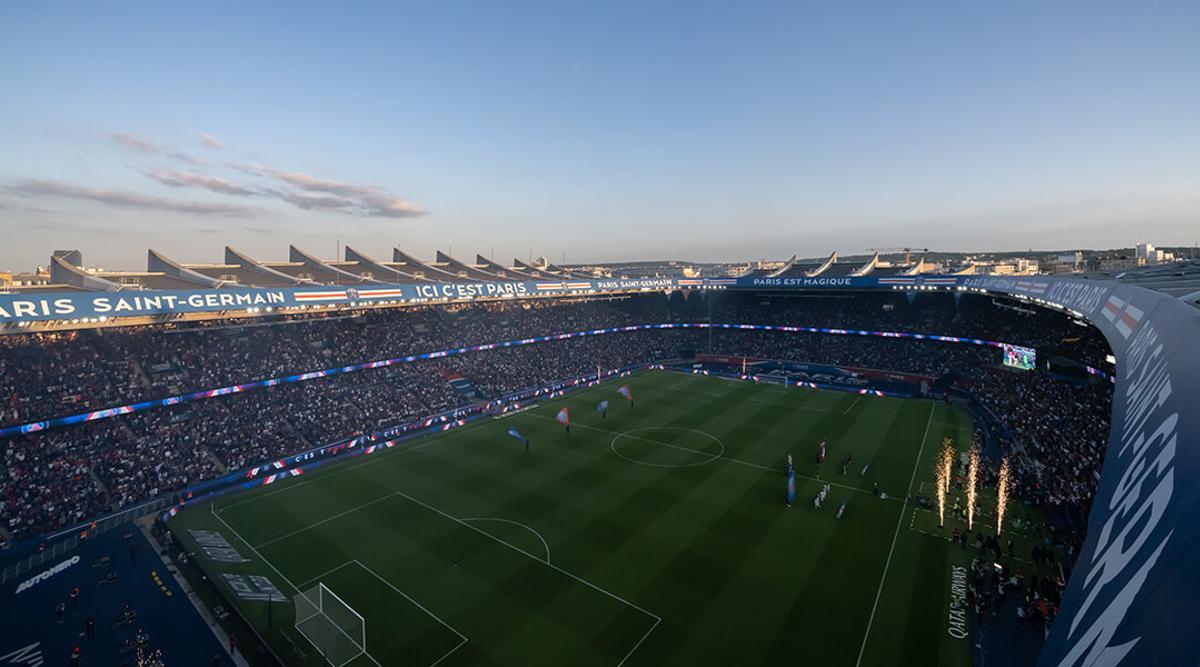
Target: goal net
333, 627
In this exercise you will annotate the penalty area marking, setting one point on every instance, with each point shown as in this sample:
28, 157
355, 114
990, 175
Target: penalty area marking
629, 434
585, 582
518, 524
419, 606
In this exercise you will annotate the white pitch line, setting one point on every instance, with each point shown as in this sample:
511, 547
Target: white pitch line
515, 523
338, 469
319, 577
895, 534
420, 606
656, 617
683, 382
327, 520
730, 459
856, 400
256, 497
272, 566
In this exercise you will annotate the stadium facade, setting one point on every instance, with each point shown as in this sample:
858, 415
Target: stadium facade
1129, 596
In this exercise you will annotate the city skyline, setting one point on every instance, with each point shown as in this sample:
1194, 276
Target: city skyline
622, 133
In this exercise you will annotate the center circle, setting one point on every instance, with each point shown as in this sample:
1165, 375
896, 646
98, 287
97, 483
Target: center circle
694, 442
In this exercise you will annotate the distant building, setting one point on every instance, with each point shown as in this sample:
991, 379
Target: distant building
1118, 263
1064, 263
1075, 259
1017, 266
40, 278
1151, 255
1059, 266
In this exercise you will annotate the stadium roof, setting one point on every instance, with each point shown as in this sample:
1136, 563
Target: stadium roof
1180, 280
830, 267
302, 268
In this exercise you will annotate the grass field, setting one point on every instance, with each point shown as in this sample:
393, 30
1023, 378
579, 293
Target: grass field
655, 536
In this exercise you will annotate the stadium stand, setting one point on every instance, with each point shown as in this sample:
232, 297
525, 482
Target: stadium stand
58, 478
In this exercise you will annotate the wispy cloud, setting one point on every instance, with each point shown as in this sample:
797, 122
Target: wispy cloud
150, 147
210, 141
135, 143
314, 202
184, 157
123, 199
304, 191
191, 179
363, 200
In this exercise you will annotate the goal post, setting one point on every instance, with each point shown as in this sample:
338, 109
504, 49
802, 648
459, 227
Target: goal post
337, 631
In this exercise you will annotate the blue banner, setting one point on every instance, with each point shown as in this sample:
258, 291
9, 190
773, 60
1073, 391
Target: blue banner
75, 306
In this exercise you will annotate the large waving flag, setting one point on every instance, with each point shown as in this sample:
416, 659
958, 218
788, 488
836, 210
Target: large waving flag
602, 407
791, 486
626, 392
515, 433
564, 417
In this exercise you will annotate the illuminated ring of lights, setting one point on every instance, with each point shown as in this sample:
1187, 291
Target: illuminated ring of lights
630, 434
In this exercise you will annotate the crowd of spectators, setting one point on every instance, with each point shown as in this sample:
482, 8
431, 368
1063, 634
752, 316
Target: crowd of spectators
55, 478
967, 316
1058, 432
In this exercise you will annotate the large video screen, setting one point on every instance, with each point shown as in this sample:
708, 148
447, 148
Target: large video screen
1024, 358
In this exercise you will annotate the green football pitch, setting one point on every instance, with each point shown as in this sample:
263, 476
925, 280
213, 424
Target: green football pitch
657, 535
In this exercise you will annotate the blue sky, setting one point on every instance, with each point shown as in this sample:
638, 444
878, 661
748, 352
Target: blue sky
603, 130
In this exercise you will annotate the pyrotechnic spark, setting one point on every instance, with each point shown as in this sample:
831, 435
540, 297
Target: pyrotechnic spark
972, 477
1002, 495
948, 461
941, 472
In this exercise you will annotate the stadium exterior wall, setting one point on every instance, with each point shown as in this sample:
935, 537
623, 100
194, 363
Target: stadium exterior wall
1131, 598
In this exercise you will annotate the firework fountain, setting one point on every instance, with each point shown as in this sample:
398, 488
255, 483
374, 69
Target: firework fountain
942, 471
1002, 495
972, 477
947, 462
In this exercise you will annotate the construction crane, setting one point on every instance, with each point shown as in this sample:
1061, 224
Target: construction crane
907, 252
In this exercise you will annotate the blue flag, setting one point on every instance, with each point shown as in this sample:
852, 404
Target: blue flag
516, 434
791, 486
603, 407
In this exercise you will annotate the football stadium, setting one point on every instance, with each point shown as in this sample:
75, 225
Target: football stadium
627, 334
409, 462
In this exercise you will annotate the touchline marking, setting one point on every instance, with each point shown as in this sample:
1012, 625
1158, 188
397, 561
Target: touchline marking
895, 534
856, 400
272, 566
327, 520
515, 523
255, 498
656, 617
338, 469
